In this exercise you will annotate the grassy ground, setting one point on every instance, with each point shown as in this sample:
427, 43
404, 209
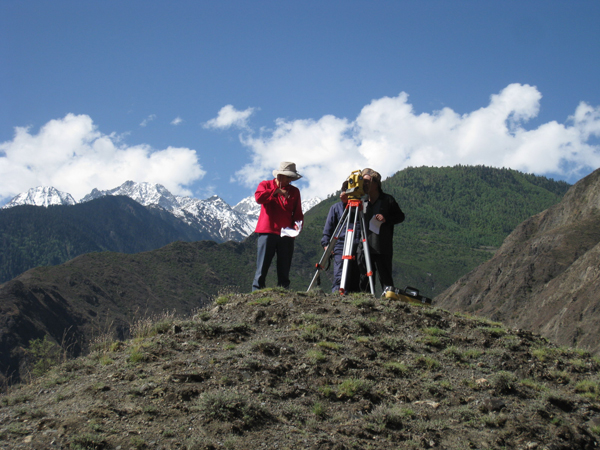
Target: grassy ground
283, 370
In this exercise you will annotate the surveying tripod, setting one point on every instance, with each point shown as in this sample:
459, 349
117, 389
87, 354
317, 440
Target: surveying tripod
353, 212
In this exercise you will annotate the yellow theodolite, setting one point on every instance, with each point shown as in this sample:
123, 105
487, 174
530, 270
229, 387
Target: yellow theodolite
353, 214
355, 186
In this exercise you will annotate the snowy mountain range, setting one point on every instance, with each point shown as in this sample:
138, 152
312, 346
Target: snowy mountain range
41, 196
212, 215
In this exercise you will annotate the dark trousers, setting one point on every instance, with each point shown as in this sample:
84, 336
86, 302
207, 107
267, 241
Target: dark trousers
352, 274
381, 266
267, 246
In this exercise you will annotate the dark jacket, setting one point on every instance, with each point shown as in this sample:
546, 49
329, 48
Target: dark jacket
385, 205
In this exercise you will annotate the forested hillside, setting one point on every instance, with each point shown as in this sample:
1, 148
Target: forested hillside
456, 217
32, 236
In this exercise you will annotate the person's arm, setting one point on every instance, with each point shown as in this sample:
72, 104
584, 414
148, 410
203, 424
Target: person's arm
265, 193
298, 214
330, 225
395, 213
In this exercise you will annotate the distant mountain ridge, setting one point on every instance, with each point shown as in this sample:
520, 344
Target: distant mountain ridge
456, 217
212, 216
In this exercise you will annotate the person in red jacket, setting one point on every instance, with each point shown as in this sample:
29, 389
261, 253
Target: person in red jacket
281, 209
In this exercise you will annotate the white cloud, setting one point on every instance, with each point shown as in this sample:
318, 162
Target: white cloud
71, 155
230, 117
176, 121
147, 120
388, 136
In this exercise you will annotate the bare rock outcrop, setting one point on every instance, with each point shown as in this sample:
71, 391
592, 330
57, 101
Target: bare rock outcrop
546, 275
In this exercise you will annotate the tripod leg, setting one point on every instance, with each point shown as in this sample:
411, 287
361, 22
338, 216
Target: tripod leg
321, 264
366, 252
348, 254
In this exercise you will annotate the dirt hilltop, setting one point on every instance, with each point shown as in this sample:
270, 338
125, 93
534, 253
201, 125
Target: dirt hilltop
283, 370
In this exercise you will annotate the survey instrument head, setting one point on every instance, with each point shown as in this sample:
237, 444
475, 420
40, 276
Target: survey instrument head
355, 185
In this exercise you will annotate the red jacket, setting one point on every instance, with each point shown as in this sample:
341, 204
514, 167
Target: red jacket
276, 211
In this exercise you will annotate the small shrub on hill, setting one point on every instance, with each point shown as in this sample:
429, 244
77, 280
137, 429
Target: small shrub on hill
229, 406
352, 387
45, 354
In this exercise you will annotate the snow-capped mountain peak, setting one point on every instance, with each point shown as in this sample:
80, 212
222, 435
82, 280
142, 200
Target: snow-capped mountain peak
144, 193
310, 203
41, 196
213, 216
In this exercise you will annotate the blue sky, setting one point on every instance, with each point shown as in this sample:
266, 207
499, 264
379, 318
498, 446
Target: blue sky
206, 97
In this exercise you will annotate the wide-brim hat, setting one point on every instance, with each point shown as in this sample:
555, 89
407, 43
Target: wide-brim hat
288, 169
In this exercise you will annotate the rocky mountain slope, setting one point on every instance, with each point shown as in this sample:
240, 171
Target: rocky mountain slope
546, 275
284, 370
103, 292
120, 286
32, 236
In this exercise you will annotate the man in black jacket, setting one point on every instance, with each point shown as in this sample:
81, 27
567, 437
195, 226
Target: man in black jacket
381, 214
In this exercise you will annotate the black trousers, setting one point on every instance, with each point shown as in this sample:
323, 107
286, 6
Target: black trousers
381, 266
267, 246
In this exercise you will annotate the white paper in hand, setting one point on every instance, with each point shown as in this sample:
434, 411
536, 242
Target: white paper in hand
374, 225
292, 232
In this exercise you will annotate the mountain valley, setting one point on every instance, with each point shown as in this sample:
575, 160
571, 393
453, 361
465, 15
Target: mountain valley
167, 349
105, 290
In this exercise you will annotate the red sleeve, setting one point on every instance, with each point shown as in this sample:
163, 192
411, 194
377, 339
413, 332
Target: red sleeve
264, 192
298, 214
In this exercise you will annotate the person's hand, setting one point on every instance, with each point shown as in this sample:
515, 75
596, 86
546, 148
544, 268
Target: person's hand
280, 191
380, 218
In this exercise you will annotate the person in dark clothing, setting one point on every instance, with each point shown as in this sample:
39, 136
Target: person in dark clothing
381, 214
333, 218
